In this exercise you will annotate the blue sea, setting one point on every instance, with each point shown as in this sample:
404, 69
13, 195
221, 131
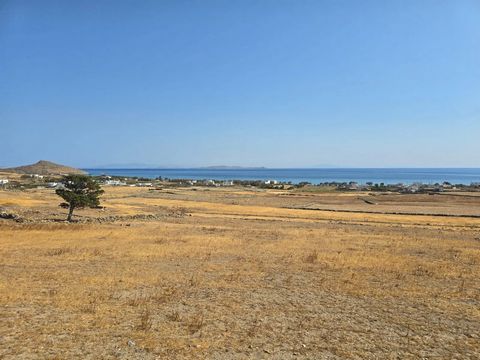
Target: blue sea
315, 176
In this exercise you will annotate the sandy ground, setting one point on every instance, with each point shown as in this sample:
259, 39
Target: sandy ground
240, 274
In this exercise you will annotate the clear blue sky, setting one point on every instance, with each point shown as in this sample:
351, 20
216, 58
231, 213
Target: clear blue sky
256, 83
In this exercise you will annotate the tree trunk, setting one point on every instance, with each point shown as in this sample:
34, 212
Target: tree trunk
70, 213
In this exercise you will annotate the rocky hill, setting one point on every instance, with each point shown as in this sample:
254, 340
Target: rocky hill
45, 168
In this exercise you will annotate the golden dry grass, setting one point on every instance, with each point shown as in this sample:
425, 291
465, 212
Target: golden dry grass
239, 277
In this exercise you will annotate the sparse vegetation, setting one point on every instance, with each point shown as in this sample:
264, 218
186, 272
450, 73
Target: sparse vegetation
145, 320
259, 278
79, 191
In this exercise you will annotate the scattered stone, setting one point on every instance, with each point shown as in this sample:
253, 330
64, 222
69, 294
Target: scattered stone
9, 216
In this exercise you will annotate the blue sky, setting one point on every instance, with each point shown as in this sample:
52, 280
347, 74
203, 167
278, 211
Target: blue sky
253, 83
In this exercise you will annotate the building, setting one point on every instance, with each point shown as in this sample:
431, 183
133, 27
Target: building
114, 183
55, 185
271, 182
144, 184
3, 181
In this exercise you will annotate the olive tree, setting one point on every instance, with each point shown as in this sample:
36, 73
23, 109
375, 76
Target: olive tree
79, 191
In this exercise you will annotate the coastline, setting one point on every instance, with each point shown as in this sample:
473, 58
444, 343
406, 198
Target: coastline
315, 176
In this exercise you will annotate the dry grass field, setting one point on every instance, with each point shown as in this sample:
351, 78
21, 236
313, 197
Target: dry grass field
240, 274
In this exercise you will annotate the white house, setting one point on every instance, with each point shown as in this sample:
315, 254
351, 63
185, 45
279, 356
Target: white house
55, 185
3, 181
115, 182
144, 184
271, 182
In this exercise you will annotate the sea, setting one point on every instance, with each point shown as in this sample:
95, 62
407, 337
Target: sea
406, 176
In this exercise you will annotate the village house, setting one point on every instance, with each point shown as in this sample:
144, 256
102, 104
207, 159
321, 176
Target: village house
271, 182
144, 184
114, 183
55, 185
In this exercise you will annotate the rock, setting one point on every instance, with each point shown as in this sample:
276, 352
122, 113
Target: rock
10, 216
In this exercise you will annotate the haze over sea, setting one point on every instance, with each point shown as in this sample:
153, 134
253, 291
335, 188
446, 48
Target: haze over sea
315, 176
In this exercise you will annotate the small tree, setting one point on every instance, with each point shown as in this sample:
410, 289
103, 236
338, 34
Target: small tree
80, 191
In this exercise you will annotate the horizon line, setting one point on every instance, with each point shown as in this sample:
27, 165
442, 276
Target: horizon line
270, 168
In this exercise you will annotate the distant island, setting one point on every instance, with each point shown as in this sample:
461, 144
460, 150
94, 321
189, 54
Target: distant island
226, 167
137, 166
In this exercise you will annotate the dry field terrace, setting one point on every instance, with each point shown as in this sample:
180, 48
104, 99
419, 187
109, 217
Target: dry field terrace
239, 273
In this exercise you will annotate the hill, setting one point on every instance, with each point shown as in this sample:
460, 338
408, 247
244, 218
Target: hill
45, 168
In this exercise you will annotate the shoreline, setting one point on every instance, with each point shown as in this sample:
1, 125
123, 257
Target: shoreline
323, 176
